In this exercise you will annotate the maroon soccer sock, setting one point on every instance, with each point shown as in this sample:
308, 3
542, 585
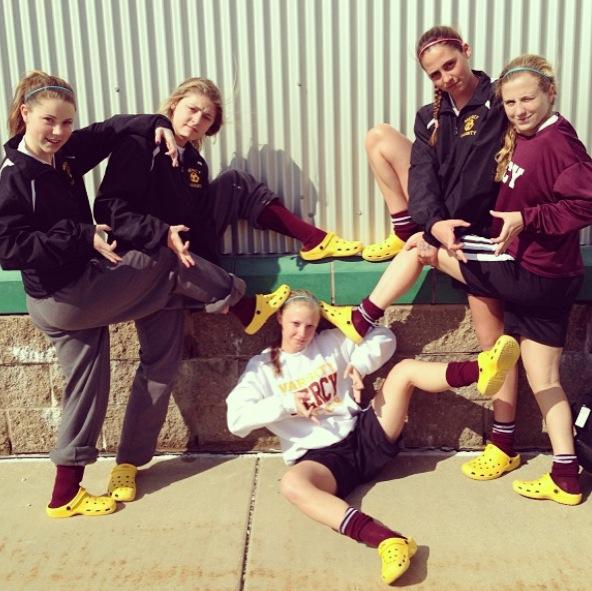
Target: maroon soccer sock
279, 219
502, 436
462, 373
564, 473
403, 226
365, 316
66, 485
362, 528
244, 309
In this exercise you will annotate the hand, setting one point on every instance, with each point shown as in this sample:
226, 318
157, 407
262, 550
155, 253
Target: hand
513, 225
305, 407
357, 382
444, 231
102, 246
180, 248
426, 253
164, 133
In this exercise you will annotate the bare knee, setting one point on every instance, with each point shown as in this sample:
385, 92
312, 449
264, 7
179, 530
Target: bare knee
291, 487
380, 135
399, 378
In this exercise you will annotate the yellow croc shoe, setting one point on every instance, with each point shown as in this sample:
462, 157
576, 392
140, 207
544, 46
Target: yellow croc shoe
341, 317
267, 305
332, 246
383, 251
83, 504
495, 363
122, 483
544, 488
395, 556
491, 463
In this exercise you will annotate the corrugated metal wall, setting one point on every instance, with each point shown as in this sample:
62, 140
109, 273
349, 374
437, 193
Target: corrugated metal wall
303, 79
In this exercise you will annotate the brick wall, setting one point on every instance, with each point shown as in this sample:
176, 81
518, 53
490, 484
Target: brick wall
216, 351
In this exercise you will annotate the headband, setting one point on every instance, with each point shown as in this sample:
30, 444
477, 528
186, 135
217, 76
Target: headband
299, 296
443, 40
50, 87
525, 69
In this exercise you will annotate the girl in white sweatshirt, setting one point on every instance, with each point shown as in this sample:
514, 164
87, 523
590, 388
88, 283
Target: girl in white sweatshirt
307, 390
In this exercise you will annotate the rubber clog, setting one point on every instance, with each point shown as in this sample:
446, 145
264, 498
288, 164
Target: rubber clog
83, 504
395, 556
122, 483
383, 251
341, 317
495, 363
491, 463
332, 246
265, 306
545, 489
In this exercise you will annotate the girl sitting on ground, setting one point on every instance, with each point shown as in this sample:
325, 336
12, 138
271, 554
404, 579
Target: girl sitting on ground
306, 390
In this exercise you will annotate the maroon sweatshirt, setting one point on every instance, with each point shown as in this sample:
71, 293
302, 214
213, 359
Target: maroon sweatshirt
549, 180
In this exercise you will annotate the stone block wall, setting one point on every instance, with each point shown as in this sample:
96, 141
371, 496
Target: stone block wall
215, 353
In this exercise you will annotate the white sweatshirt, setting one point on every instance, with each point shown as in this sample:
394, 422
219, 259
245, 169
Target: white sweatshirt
262, 399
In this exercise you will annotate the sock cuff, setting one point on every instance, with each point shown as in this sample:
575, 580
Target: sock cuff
564, 458
499, 427
350, 513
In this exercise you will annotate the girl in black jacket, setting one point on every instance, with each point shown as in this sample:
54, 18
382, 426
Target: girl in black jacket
446, 175
77, 284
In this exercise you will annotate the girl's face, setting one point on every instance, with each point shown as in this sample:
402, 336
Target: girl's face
448, 68
48, 126
526, 104
192, 117
299, 322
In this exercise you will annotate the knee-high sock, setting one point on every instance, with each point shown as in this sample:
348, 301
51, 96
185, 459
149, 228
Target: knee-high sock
565, 473
366, 315
279, 219
403, 226
363, 528
66, 485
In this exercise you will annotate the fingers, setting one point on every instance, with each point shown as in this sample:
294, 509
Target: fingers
102, 228
178, 229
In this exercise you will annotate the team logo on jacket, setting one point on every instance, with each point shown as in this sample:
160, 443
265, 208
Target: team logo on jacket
469, 125
193, 178
67, 170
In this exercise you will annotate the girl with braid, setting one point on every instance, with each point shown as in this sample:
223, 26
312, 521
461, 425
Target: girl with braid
544, 200
448, 174
306, 390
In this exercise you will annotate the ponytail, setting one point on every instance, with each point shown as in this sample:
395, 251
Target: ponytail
274, 355
33, 87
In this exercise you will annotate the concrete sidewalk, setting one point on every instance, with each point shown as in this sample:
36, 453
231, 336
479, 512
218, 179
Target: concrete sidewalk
218, 523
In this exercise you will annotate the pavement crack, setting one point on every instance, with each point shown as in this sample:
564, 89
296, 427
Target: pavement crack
246, 545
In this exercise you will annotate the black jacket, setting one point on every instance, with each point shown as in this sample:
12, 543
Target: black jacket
142, 195
455, 179
46, 226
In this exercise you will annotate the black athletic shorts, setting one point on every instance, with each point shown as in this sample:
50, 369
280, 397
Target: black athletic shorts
359, 457
536, 307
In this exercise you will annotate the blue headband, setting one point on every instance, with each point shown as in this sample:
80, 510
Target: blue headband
50, 87
526, 69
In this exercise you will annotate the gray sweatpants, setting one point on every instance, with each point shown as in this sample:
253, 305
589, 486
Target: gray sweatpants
152, 290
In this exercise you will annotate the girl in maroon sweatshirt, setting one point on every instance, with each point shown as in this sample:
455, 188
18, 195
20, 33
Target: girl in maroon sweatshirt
544, 200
